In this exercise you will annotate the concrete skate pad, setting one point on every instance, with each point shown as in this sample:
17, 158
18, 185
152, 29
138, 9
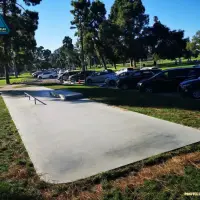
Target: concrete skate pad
68, 141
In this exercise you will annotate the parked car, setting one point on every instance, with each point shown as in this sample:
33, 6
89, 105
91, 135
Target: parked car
80, 76
60, 72
126, 70
47, 75
98, 77
132, 80
190, 88
196, 66
146, 68
168, 80
66, 75
109, 71
113, 78
35, 74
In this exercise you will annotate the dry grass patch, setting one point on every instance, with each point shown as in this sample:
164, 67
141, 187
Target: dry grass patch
176, 165
173, 166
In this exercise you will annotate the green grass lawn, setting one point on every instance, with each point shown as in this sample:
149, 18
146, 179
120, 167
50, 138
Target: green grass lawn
13, 80
163, 64
18, 179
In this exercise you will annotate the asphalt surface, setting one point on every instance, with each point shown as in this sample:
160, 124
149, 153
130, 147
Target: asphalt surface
68, 141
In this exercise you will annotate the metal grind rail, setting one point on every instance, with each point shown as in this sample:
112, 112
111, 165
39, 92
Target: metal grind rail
35, 99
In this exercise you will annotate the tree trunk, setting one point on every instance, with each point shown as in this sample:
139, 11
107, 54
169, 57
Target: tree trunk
131, 62
103, 61
5, 45
90, 63
82, 53
115, 65
155, 63
124, 63
15, 69
135, 64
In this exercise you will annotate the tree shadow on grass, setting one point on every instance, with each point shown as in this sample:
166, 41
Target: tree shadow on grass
125, 98
131, 98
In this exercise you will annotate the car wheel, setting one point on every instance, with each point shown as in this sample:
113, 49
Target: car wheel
148, 90
124, 86
51, 76
112, 83
196, 94
89, 81
40, 77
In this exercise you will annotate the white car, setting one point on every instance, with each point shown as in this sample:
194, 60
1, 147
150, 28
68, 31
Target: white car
149, 68
98, 77
114, 77
125, 70
47, 75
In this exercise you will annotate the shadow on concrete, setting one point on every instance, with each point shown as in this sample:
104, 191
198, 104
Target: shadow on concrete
43, 94
16, 92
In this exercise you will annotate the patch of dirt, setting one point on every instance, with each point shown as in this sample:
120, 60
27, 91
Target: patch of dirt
16, 172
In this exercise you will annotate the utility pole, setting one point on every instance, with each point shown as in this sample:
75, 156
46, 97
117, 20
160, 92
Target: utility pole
5, 39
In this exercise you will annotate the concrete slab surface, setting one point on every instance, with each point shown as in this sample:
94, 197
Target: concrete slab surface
68, 141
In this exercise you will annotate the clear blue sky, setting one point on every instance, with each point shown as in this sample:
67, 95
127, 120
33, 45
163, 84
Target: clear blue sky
55, 17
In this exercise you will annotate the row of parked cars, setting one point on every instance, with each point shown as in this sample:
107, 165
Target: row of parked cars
151, 80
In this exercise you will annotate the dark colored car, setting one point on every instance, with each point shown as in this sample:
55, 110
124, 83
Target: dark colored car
109, 71
190, 88
80, 76
168, 80
66, 75
131, 81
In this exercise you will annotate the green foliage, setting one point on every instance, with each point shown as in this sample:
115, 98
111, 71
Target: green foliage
80, 12
193, 47
131, 18
66, 56
19, 45
165, 43
124, 35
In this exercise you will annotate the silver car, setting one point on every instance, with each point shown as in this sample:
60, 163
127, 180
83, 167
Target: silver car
111, 80
99, 77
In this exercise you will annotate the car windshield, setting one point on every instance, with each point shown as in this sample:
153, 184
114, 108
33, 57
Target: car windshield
160, 74
137, 73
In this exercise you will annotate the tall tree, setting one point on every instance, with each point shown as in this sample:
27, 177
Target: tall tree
67, 56
109, 34
10, 9
193, 46
22, 39
47, 55
38, 56
131, 18
97, 15
80, 12
164, 43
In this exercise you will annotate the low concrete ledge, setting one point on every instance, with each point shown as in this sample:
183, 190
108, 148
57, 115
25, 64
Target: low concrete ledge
70, 97
66, 97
